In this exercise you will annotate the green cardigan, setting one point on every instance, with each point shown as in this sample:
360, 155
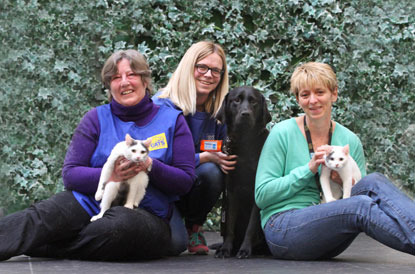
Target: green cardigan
283, 179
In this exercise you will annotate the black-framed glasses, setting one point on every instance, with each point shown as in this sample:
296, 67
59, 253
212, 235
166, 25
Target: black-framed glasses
203, 69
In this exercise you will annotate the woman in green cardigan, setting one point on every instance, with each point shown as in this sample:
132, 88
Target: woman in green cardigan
295, 224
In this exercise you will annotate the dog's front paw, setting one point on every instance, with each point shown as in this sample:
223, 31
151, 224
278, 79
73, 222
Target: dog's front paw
244, 253
222, 253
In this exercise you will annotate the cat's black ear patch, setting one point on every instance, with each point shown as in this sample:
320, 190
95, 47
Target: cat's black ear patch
145, 147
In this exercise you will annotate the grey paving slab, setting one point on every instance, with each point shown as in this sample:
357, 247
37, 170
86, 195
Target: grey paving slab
363, 256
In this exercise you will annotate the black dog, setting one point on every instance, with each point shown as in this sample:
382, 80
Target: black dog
245, 113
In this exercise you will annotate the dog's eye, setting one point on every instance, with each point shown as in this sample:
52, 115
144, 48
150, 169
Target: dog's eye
237, 100
133, 150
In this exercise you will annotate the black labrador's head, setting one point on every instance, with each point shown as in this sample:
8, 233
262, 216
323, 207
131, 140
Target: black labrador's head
244, 108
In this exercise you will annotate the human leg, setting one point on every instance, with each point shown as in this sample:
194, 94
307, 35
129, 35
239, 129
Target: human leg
196, 205
58, 218
326, 230
179, 237
309, 233
121, 234
204, 194
399, 209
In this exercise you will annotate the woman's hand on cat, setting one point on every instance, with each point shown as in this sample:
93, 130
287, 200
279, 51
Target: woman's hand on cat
224, 161
335, 177
318, 158
125, 169
146, 165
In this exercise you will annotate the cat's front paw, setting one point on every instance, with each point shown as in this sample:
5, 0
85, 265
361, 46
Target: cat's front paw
130, 206
98, 195
96, 217
328, 200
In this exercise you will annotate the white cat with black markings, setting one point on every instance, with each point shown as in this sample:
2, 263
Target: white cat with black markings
135, 151
338, 159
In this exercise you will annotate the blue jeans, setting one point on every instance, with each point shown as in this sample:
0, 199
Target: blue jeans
324, 231
196, 204
179, 237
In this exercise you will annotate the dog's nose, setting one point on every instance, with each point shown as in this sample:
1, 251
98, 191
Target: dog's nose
245, 113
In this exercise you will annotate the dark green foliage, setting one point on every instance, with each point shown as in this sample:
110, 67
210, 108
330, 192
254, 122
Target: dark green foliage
52, 51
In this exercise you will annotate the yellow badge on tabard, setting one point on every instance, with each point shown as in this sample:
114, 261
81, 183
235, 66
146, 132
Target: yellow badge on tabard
158, 141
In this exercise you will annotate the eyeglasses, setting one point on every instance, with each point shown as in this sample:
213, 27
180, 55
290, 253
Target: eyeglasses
203, 69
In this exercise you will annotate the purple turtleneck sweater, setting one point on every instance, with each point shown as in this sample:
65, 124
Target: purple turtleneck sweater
174, 179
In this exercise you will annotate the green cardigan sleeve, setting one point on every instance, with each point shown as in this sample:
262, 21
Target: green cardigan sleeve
283, 170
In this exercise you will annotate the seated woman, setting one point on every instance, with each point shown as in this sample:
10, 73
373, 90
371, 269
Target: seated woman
295, 224
60, 226
198, 87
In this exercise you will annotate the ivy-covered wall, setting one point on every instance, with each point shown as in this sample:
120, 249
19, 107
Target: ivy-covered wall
52, 51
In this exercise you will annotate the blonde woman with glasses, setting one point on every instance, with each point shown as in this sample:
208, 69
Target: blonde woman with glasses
198, 87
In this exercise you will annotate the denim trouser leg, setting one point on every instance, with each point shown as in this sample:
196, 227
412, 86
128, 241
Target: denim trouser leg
206, 190
376, 207
179, 237
398, 207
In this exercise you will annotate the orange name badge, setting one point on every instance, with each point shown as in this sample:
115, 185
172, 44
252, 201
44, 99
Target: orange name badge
211, 145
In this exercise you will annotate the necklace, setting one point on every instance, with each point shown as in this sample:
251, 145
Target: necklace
311, 149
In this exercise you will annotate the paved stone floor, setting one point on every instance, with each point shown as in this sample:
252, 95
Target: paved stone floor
363, 256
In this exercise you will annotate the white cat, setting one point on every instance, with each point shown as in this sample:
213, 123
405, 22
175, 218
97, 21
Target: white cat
135, 151
338, 159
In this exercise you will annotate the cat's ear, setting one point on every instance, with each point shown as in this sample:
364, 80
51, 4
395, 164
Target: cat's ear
327, 149
346, 149
147, 142
128, 140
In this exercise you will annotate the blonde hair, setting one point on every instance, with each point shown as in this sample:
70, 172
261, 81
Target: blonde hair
138, 64
181, 88
312, 73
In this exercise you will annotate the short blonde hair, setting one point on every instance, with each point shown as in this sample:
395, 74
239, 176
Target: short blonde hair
181, 88
138, 64
312, 73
